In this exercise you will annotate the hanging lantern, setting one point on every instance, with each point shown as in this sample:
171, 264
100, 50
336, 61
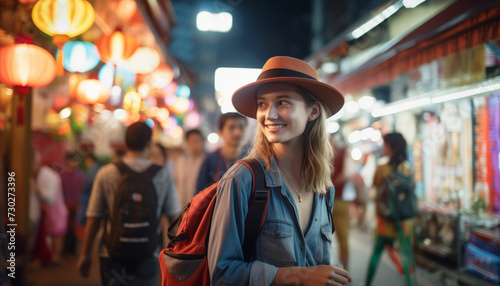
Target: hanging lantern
80, 56
91, 91
143, 61
132, 102
161, 77
110, 75
25, 65
117, 47
62, 19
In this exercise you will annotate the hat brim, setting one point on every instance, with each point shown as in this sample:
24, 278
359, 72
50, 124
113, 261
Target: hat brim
245, 101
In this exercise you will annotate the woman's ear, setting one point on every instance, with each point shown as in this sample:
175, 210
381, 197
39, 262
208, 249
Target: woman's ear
314, 113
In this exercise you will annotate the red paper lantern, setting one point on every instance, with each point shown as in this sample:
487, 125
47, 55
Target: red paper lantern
116, 47
24, 65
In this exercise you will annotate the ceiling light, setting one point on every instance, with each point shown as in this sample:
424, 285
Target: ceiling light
439, 96
401, 106
329, 67
412, 3
375, 21
219, 22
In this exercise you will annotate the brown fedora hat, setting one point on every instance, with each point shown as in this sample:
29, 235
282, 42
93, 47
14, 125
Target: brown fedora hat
287, 70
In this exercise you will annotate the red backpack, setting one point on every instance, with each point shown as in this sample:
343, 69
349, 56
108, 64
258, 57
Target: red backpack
184, 261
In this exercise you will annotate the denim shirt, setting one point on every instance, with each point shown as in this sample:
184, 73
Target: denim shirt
281, 242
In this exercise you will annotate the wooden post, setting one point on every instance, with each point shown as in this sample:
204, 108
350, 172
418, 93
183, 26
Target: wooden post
20, 164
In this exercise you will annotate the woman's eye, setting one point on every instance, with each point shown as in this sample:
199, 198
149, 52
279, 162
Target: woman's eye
261, 104
282, 102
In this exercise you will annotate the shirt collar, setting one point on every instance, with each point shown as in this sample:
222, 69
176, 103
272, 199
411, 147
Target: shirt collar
273, 178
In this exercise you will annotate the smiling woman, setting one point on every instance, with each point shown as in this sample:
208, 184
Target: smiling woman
295, 242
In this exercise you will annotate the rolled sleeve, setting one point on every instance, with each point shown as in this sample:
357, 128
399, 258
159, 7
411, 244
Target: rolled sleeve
97, 202
262, 273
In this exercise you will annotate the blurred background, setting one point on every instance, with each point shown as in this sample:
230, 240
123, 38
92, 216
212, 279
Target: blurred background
74, 74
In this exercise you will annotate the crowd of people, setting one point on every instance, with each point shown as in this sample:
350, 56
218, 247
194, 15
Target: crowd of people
308, 173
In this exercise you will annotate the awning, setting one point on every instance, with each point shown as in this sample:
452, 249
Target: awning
461, 26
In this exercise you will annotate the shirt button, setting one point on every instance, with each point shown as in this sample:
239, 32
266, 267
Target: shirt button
277, 232
316, 218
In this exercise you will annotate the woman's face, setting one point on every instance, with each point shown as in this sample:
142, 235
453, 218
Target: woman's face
282, 113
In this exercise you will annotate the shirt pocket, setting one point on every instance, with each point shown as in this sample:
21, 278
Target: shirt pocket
324, 249
277, 244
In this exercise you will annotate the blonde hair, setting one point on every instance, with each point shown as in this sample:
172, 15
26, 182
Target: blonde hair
318, 151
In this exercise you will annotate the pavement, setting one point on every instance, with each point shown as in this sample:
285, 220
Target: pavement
361, 244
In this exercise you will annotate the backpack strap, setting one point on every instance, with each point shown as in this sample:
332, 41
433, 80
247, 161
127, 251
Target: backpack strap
257, 209
329, 207
151, 171
122, 167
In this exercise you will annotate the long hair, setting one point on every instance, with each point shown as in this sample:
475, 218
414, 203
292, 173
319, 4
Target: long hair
318, 152
397, 143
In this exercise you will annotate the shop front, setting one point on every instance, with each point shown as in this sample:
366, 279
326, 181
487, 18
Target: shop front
440, 87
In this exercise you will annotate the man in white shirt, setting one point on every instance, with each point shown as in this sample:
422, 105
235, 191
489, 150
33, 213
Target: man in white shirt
100, 209
188, 165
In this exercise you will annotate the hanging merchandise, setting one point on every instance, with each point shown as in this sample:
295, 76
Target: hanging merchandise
62, 19
494, 111
80, 56
447, 155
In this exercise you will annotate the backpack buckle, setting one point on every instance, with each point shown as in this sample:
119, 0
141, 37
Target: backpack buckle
182, 236
260, 195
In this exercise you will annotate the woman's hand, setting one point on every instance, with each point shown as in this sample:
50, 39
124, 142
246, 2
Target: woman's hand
312, 276
325, 275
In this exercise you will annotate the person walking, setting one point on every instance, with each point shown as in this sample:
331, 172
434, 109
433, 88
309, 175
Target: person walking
54, 222
72, 183
188, 164
395, 149
92, 166
294, 246
340, 213
232, 127
101, 209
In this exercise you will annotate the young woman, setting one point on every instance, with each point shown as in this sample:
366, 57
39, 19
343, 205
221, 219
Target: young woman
395, 149
294, 246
